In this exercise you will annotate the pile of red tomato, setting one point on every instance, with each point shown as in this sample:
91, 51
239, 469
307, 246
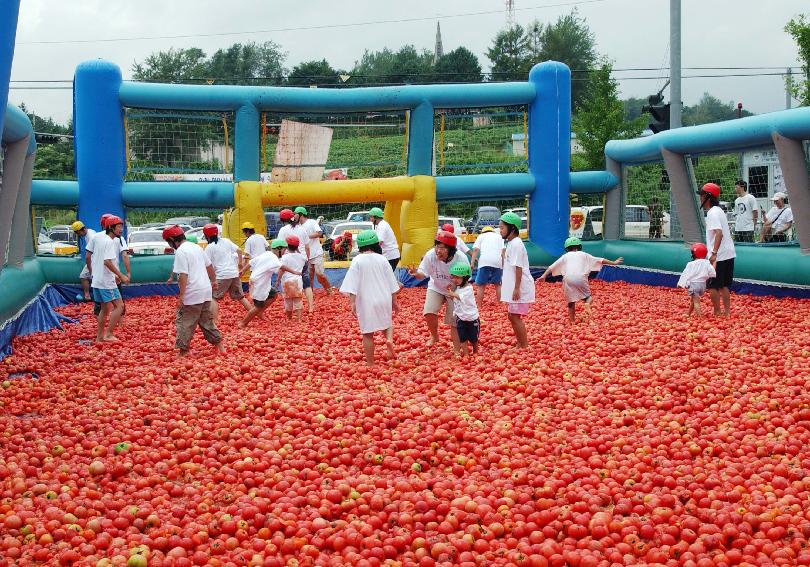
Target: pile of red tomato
640, 437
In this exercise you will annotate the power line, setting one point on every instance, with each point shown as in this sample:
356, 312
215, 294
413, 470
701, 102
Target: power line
310, 28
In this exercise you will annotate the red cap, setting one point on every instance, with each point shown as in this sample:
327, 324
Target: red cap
446, 238
110, 221
172, 232
699, 250
210, 230
448, 227
293, 240
712, 189
286, 214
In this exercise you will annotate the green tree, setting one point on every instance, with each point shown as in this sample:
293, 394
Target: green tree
510, 55
710, 109
458, 66
799, 30
404, 66
172, 66
313, 73
601, 117
54, 161
632, 107
570, 41
248, 64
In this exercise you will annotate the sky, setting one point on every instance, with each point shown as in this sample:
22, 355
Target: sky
631, 33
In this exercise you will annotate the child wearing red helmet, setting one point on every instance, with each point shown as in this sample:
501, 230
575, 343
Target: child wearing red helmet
695, 275
104, 255
720, 248
225, 257
291, 282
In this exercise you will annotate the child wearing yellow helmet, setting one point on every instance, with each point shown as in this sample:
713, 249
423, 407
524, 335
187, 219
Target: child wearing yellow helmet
84, 236
465, 308
262, 270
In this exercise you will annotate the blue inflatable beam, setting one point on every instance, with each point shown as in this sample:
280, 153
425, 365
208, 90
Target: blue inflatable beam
730, 135
484, 186
9, 12
174, 194
54, 193
100, 146
550, 155
583, 182
18, 127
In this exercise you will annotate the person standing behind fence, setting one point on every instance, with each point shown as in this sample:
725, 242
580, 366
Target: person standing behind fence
721, 249
778, 220
746, 211
487, 252
388, 240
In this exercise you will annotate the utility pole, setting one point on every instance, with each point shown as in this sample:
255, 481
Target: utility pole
788, 85
675, 63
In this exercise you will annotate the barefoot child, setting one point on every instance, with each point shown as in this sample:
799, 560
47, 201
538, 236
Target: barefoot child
291, 283
104, 269
517, 285
372, 288
84, 236
575, 266
225, 257
695, 275
465, 308
261, 280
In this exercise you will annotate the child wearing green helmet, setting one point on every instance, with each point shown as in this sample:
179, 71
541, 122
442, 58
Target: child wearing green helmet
575, 266
262, 270
517, 285
465, 308
372, 290
388, 240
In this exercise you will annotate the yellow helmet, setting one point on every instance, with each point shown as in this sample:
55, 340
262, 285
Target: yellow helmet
248, 226
77, 226
487, 229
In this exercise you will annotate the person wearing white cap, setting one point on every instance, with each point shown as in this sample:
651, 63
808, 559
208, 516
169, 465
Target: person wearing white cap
778, 220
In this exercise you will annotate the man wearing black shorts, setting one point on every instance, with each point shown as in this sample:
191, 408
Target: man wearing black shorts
721, 249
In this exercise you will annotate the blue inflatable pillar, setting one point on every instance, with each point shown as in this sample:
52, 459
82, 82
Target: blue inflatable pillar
99, 140
420, 140
9, 12
247, 144
550, 155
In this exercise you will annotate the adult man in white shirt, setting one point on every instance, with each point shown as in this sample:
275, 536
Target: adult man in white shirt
778, 220
746, 212
488, 253
721, 248
104, 268
196, 278
311, 232
388, 240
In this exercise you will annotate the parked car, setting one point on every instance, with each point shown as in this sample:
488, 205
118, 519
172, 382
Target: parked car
586, 222
61, 233
354, 227
149, 226
148, 243
357, 216
198, 234
483, 216
458, 224
46, 245
193, 222
273, 223
522, 212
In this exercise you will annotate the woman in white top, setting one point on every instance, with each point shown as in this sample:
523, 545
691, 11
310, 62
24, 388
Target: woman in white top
388, 240
778, 220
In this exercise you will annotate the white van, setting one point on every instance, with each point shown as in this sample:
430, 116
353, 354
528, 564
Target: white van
586, 222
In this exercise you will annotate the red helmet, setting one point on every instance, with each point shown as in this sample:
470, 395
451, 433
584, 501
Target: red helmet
293, 240
348, 236
447, 227
172, 232
712, 189
286, 214
210, 230
446, 238
110, 221
699, 250
103, 221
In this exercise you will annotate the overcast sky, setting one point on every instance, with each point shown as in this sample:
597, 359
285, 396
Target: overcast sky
633, 33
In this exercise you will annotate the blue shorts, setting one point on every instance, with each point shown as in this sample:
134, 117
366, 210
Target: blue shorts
305, 276
105, 295
488, 275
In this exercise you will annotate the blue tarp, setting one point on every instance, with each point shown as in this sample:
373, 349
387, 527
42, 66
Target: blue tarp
38, 316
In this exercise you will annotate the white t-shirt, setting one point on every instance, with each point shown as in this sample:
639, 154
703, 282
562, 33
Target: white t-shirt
490, 250
221, 254
438, 271
297, 230
744, 208
190, 259
716, 220
314, 244
461, 245
371, 280
696, 271
388, 240
103, 248
294, 261
516, 256
255, 245
261, 275
575, 264
86, 239
465, 307
783, 220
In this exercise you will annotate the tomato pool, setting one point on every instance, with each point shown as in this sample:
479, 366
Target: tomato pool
639, 437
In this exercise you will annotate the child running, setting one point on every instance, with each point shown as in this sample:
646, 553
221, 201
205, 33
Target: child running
465, 308
225, 257
291, 283
575, 266
517, 285
694, 277
262, 270
372, 287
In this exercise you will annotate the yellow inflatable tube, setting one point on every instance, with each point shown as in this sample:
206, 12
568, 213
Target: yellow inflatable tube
410, 206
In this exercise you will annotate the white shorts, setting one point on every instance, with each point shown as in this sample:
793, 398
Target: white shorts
85, 275
433, 304
317, 263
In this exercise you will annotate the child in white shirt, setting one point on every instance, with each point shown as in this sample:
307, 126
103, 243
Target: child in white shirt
291, 282
575, 266
465, 309
262, 270
695, 275
517, 285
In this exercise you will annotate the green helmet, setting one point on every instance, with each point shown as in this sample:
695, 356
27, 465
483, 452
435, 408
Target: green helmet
573, 241
191, 238
301, 211
512, 218
376, 212
367, 238
278, 243
460, 270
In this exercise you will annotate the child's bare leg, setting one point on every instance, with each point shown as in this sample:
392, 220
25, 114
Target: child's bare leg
696, 306
587, 305
298, 314
86, 289
368, 348
465, 351
389, 342
691, 306
102, 321
475, 348
253, 312
572, 312
246, 304
519, 327
310, 299
289, 314
115, 316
